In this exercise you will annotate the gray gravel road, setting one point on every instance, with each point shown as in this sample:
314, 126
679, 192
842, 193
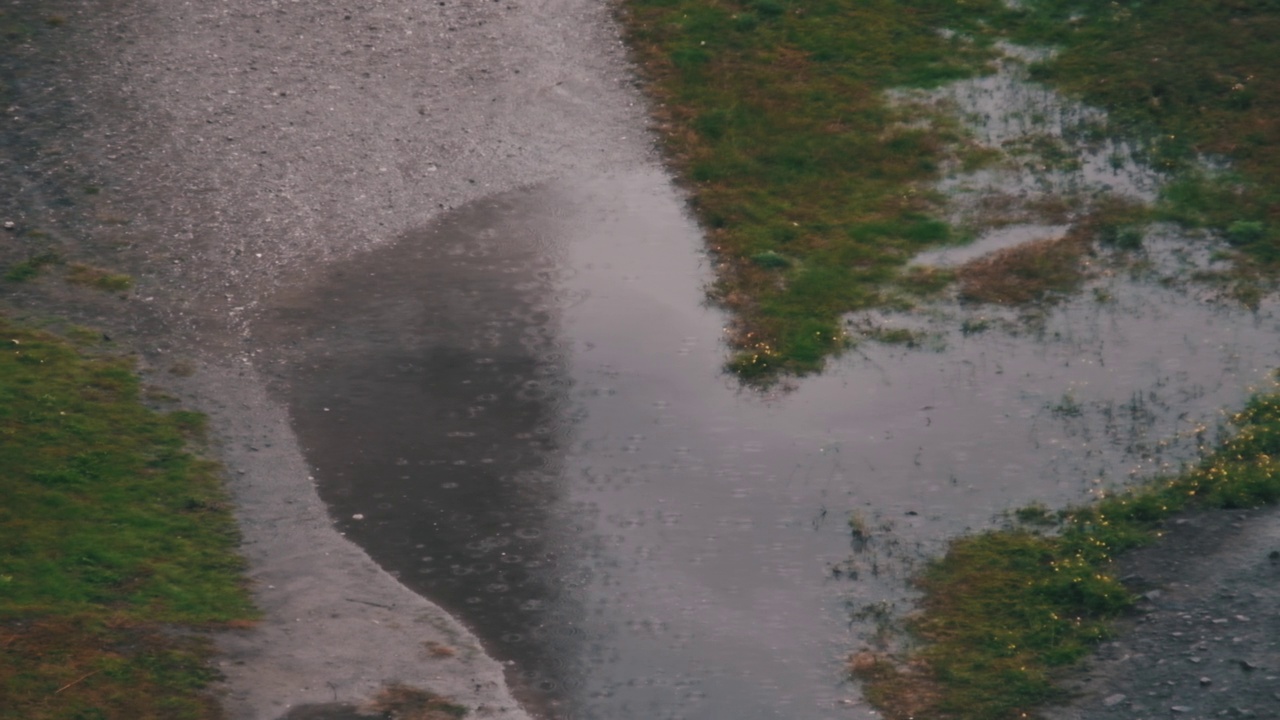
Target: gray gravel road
218, 151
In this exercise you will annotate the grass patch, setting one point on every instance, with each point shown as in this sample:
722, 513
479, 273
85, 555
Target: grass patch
1196, 78
31, 267
812, 185
814, 188
1005, 609
114, 535
97, 278
1031, 272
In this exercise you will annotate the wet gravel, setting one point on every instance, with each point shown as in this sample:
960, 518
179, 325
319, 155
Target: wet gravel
217, 152
1204, 641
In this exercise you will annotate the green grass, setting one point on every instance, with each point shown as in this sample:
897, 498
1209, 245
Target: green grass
1195, 79
1005, 609
78, 274
31, 267
814, 189
111, 534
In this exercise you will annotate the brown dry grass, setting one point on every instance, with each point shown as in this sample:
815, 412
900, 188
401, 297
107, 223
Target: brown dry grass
1032, 272
54, 667
97, 278
404, 702
899, 691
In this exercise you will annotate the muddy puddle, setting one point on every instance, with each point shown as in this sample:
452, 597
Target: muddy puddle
521, 412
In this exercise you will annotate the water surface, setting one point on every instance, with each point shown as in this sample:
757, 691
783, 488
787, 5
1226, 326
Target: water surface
521, 412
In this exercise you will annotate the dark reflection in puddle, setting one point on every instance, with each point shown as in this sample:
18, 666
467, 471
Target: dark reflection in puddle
525, 404
428, 386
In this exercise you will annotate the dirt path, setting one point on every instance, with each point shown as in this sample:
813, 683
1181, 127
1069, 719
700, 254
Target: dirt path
218, 152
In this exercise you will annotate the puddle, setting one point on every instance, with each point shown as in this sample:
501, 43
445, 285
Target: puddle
1059, 146
525, 406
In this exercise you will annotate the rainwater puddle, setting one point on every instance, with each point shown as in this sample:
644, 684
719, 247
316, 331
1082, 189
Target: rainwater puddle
525, 407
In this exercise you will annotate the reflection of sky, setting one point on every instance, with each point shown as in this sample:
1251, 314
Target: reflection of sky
690, 528
426, 382
719, 514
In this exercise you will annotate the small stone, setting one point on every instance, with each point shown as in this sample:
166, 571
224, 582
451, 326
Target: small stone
1206, 681
1219, 621
1180, 709
1113, 700
358, 516
1242, 618
1247, 666
8, 225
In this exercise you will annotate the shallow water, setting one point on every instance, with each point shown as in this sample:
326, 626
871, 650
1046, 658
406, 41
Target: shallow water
524, 406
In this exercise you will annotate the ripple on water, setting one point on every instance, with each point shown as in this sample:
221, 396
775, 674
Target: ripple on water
686, 567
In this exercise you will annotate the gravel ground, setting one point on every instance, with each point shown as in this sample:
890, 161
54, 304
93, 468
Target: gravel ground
1205, 640
218, 151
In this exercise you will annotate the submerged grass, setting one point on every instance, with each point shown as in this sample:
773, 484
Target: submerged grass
1005, 609
114, 538
1198, 80
814, 187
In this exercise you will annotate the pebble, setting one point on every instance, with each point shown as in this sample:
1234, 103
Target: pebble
1113, 700
358, 516
9, 225
1180, 709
